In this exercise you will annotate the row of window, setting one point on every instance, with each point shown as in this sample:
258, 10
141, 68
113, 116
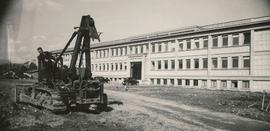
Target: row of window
203, 83
200, 63
180, 44
109, 67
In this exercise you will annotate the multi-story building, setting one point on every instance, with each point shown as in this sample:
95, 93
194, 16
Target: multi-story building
232, 55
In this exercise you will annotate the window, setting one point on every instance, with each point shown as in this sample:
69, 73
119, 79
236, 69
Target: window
152, 81
245, 84
235, 39
234, 84
158, 81
213, 83
164, 81
179, 81
224, 61
108, 66
205, 42
188, 63
205, 63
116, 51
246, 61
247, 39
196, 63
196, 44
180, 64
121, 51
153, 65
187, 82
116, 66
172, 81
181, 46
141, 47
223, 84
125, 67
153, 47
121, 66
166, 64
235, 62
204, 83
103, 67
188, 45
112, 67
195, 83
159, 47
225, 40
159, 64
215, 41
214, 63
172, 64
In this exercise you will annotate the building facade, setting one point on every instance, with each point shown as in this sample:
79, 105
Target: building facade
233, 55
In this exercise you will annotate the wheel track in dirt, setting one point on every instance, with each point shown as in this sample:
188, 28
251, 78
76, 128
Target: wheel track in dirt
183, 117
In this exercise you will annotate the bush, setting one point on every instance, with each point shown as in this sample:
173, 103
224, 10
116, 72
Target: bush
102, 79
130, 81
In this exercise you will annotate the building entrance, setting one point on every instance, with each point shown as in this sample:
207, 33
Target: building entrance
136, 70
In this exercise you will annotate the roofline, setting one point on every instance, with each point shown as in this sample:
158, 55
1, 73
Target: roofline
181, 31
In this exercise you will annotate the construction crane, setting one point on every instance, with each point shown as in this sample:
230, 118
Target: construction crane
81, 91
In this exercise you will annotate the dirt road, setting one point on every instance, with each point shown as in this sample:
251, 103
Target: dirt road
158, 114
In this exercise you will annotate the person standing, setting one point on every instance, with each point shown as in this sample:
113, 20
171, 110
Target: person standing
45, 66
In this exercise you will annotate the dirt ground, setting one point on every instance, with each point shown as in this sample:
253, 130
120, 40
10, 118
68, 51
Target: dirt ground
140, 109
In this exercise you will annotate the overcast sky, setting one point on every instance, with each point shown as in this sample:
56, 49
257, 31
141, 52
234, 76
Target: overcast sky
49, 23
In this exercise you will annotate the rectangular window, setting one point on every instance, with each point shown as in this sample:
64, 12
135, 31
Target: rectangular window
188, 63
153, 47
152, 81
159, 47
165, 82
121, 66
172, 81
158, 81
195, 83
246, 61
213, 83
235, 39
136, 49
141, 47
224, 61
205, 42
234, 84
235, 62
247, 38
205, 63
121, 51
245, 84
196, 44
179, 81
223, 84
116, 51
159, 65
153, 65
225, 40
187, 82
181, 47
215, 41
180, 64
204, 83
112, 67
166, 64
108, 66
196, 63
188, 44
172, 64
214, 63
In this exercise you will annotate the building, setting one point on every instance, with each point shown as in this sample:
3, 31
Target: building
233, 55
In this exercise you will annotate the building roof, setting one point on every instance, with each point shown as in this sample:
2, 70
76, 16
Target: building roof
179, 31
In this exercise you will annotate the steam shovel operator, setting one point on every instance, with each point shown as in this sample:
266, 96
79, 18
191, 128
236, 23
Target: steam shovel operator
45, 66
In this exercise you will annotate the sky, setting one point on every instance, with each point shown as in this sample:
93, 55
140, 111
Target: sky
49, 23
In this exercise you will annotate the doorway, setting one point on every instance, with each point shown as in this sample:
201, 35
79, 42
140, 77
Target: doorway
136, 70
